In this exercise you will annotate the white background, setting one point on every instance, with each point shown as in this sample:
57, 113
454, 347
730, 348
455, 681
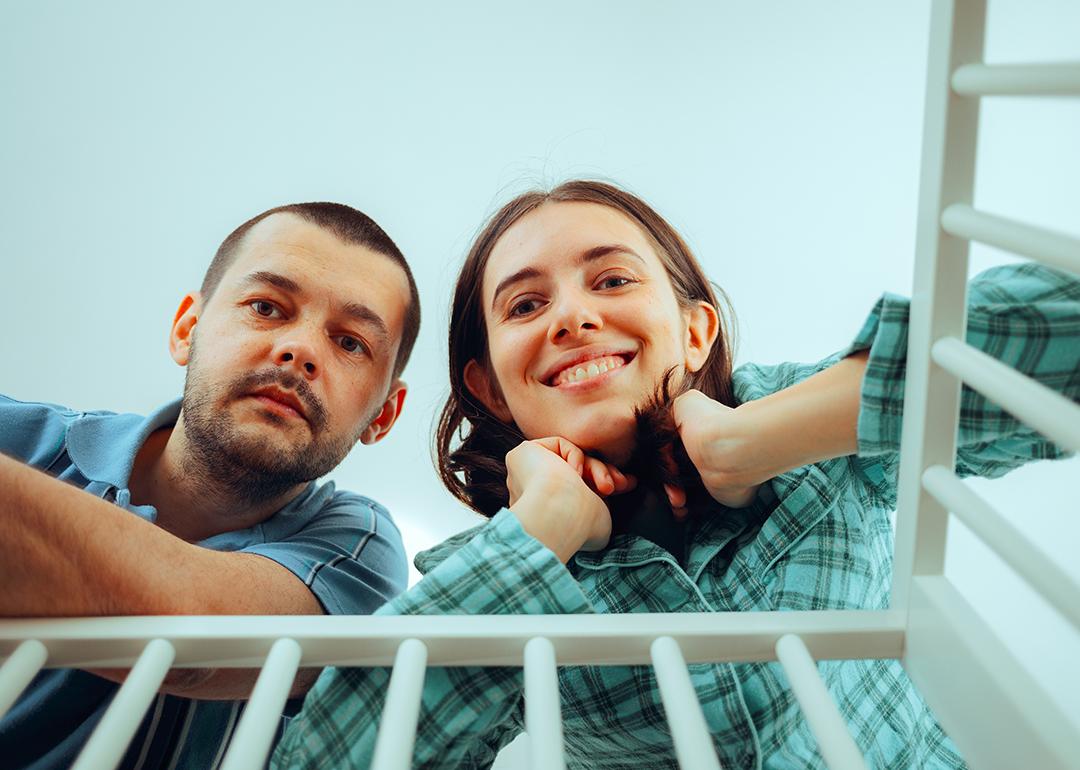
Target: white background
781, 138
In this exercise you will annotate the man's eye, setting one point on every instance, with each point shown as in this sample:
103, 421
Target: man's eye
351, 344
264, 308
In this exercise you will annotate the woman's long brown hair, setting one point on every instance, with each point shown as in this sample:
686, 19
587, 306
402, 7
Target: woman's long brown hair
475, 469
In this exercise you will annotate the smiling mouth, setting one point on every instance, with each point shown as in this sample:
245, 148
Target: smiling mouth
589, 370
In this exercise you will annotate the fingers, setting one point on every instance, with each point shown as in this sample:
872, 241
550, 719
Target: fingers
677, 499
604, 479
567, 450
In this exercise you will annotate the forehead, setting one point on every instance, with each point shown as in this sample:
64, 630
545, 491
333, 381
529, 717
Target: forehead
555, 233
326, 267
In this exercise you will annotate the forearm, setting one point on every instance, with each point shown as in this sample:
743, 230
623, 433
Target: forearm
68, 553
811, 421
214, 683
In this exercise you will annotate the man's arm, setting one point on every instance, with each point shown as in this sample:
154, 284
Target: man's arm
70, 554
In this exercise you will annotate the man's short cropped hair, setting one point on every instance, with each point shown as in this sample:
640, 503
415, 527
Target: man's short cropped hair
349, 225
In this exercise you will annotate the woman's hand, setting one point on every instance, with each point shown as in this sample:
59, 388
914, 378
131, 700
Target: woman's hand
718, 440
555, 491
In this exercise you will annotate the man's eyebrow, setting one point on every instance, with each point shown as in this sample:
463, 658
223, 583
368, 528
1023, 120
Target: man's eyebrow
365, 315
273, 279
357, 311
589, 255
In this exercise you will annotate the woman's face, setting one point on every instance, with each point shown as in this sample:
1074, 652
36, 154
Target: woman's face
582, 324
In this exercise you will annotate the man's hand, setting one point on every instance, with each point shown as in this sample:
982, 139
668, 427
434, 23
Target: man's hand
555, 491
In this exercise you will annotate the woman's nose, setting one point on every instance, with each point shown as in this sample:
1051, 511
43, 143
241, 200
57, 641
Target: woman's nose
574, 316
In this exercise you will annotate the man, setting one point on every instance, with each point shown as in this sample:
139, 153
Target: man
294, 347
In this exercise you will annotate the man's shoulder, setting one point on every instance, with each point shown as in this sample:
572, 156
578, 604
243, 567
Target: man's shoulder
35, 431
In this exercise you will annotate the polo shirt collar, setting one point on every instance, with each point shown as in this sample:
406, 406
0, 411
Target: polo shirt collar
103, 445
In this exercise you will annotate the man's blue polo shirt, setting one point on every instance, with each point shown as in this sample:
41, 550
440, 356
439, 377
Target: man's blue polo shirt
343, 546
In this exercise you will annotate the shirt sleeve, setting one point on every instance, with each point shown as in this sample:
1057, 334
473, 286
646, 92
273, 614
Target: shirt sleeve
33, 433
466, 713
1025, 315
350, 555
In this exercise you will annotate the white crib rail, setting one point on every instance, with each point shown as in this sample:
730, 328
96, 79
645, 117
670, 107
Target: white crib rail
996, 713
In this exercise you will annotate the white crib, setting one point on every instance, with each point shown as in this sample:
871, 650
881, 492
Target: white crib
998, 716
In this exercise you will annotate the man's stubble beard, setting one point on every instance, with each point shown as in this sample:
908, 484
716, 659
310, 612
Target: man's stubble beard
226, 461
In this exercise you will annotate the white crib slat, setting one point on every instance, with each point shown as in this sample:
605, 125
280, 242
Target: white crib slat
117, 727
397, 728
251, 743
543, 714
1045, 410
835, 742
1047, 246
1008, 542
693, 743
1060, 79
19, 670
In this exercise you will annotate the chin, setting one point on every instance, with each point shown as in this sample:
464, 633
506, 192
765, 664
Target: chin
611, 439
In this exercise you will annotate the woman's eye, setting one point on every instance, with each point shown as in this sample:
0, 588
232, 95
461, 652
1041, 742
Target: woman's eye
614, 281
524, 307
351, 344
263, 308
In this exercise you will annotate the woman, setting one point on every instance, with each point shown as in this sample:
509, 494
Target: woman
577, 314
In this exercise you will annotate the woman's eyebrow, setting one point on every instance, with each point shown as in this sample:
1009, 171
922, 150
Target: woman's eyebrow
589, 255
523, 274
599, 252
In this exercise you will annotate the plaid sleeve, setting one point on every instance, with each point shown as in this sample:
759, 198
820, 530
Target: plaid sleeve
466, 713
1025, 315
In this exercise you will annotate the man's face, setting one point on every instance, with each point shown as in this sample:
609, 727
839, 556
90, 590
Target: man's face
291, 359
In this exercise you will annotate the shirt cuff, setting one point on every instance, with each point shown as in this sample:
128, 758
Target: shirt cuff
501, 571
881, 403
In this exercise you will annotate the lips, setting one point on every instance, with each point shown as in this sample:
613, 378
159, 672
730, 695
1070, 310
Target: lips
283, 398
585, 363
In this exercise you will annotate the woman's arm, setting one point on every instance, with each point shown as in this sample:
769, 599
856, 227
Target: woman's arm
735, 450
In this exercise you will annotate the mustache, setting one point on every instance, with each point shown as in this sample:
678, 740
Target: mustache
313, 407
659, 456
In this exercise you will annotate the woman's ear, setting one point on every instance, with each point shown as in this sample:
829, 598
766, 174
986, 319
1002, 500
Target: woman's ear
183, 327
702, 328
484, 390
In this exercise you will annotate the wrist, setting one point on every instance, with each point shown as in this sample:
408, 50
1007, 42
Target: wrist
761, 447
552, 518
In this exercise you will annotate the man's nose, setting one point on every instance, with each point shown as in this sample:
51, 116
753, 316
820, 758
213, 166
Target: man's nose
298, 353
574, 315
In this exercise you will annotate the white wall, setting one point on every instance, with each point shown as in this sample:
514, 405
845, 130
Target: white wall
782, 138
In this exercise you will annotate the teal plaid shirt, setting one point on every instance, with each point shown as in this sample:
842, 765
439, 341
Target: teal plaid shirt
818, 537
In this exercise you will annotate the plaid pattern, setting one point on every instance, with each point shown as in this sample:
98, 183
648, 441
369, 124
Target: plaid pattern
818, 537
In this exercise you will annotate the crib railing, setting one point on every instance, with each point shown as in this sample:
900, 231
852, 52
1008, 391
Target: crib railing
995, 712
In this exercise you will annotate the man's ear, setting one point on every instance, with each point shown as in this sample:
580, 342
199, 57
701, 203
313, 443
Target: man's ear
703, 325
480, 384
187, 315
387, 416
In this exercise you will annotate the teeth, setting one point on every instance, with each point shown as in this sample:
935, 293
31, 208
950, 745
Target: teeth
586, 371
